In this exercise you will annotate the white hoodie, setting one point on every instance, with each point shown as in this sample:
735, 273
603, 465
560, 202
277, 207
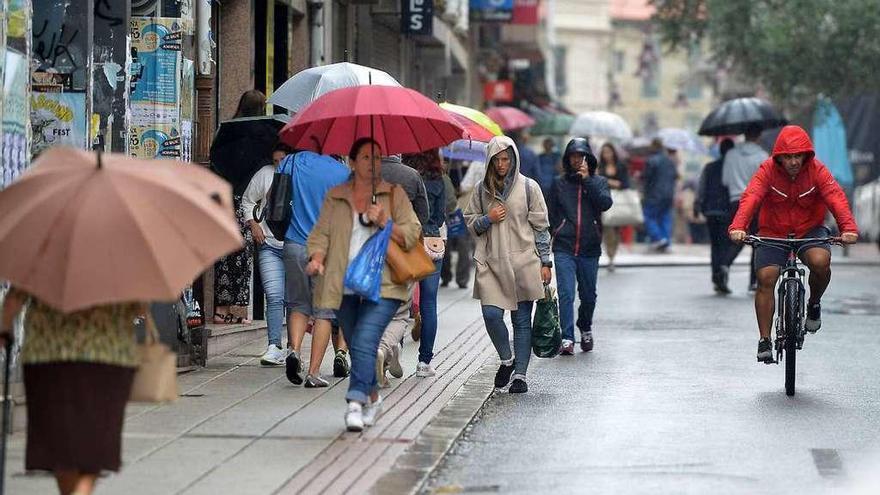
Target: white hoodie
740, 164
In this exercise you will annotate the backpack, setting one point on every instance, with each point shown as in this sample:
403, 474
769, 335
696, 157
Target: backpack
278, 209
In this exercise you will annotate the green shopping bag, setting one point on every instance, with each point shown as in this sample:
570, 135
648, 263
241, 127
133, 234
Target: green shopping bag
546, 332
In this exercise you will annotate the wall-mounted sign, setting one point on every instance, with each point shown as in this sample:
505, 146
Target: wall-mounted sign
525, 12
417, 17
492, 10
498, 91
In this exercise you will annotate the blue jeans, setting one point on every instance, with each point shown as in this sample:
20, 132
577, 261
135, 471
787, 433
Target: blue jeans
522, 333
658, 222
363, 322
428, 289
272, 272
583, 271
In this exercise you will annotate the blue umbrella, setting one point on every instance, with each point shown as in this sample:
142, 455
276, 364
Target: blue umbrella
465, 149
829, 139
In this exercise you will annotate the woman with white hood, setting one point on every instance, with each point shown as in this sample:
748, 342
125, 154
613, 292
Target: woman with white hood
508, 216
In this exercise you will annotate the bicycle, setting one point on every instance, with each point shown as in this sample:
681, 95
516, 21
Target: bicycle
790, 308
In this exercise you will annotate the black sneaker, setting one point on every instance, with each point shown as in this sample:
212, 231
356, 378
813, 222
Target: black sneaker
502, 377
519, 386
765, 351
587, 341
814, 318
341, 368
293, 368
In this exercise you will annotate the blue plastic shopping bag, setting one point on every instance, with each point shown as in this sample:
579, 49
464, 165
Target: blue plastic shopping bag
364, 274
455, 226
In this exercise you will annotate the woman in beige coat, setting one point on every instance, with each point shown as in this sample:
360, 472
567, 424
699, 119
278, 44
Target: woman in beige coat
334, 242
508, 216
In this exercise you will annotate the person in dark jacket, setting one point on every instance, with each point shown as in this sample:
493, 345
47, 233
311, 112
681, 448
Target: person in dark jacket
430, 168
713, 202
548, 164
578, 199
659, 180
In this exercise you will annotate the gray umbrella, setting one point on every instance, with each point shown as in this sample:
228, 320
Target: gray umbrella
306, 86
737, 115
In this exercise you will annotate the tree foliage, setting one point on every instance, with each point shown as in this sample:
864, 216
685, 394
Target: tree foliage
796, 49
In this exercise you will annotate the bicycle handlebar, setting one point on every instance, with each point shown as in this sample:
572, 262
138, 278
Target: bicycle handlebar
754, 240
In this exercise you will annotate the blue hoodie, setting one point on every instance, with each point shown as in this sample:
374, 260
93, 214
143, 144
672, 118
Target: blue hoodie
312, 176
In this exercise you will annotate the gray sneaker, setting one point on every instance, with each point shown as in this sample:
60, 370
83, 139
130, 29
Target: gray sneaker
315, 381
765, 351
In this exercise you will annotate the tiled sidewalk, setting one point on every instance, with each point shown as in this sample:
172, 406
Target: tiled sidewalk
243, 428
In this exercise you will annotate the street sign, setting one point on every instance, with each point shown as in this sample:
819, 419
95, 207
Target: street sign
498, 91
417, 17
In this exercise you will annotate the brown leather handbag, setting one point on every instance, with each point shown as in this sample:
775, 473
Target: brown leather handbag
408, 266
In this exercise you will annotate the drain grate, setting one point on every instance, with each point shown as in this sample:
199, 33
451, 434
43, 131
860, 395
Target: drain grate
827, 462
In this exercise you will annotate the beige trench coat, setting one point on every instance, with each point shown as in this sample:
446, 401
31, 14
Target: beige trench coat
508, 268
332, 236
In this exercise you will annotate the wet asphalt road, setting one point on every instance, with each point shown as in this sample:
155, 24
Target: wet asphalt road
673, 401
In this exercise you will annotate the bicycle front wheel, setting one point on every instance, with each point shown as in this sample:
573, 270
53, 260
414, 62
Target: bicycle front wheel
792, 322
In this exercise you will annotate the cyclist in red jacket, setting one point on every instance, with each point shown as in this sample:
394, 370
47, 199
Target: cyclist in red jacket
794, 191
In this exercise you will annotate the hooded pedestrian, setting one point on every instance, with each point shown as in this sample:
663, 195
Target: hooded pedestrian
508, 216
579, 197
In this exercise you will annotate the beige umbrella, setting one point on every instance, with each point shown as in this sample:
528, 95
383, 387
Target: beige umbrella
80, 230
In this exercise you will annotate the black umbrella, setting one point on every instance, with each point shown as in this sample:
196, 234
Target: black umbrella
737, 115
244, 145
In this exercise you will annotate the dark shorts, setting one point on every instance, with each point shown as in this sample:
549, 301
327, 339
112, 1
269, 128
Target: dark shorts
770, 256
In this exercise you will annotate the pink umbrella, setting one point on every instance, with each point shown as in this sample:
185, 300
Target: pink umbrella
79, 230
399, 119
510, 118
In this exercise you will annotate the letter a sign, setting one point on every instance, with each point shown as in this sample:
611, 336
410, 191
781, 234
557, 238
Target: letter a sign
417, 17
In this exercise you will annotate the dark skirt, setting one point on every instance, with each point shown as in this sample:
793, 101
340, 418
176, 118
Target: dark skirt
75, 413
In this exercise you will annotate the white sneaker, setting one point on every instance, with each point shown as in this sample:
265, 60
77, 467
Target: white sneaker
354, 417
424, 370
372, 411
274, 356
393, 360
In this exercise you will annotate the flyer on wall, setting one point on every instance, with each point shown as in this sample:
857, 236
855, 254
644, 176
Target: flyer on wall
155, 70
58, 118
16, 155
159, 141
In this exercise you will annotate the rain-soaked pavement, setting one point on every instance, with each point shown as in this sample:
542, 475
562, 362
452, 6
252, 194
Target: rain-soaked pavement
673, 401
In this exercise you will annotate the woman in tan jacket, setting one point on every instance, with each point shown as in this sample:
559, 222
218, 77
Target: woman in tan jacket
334, 242
508, 216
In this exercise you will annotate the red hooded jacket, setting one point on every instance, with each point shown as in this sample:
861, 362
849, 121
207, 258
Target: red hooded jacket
793, 205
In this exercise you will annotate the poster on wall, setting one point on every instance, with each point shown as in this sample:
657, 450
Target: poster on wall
186, 140
154, 141
155, 70
58, 119
187, 90
15, 117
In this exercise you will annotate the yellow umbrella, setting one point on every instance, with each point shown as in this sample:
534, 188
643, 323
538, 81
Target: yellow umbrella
478, 126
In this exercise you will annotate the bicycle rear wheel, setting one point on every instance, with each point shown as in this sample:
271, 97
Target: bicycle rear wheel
791, 321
